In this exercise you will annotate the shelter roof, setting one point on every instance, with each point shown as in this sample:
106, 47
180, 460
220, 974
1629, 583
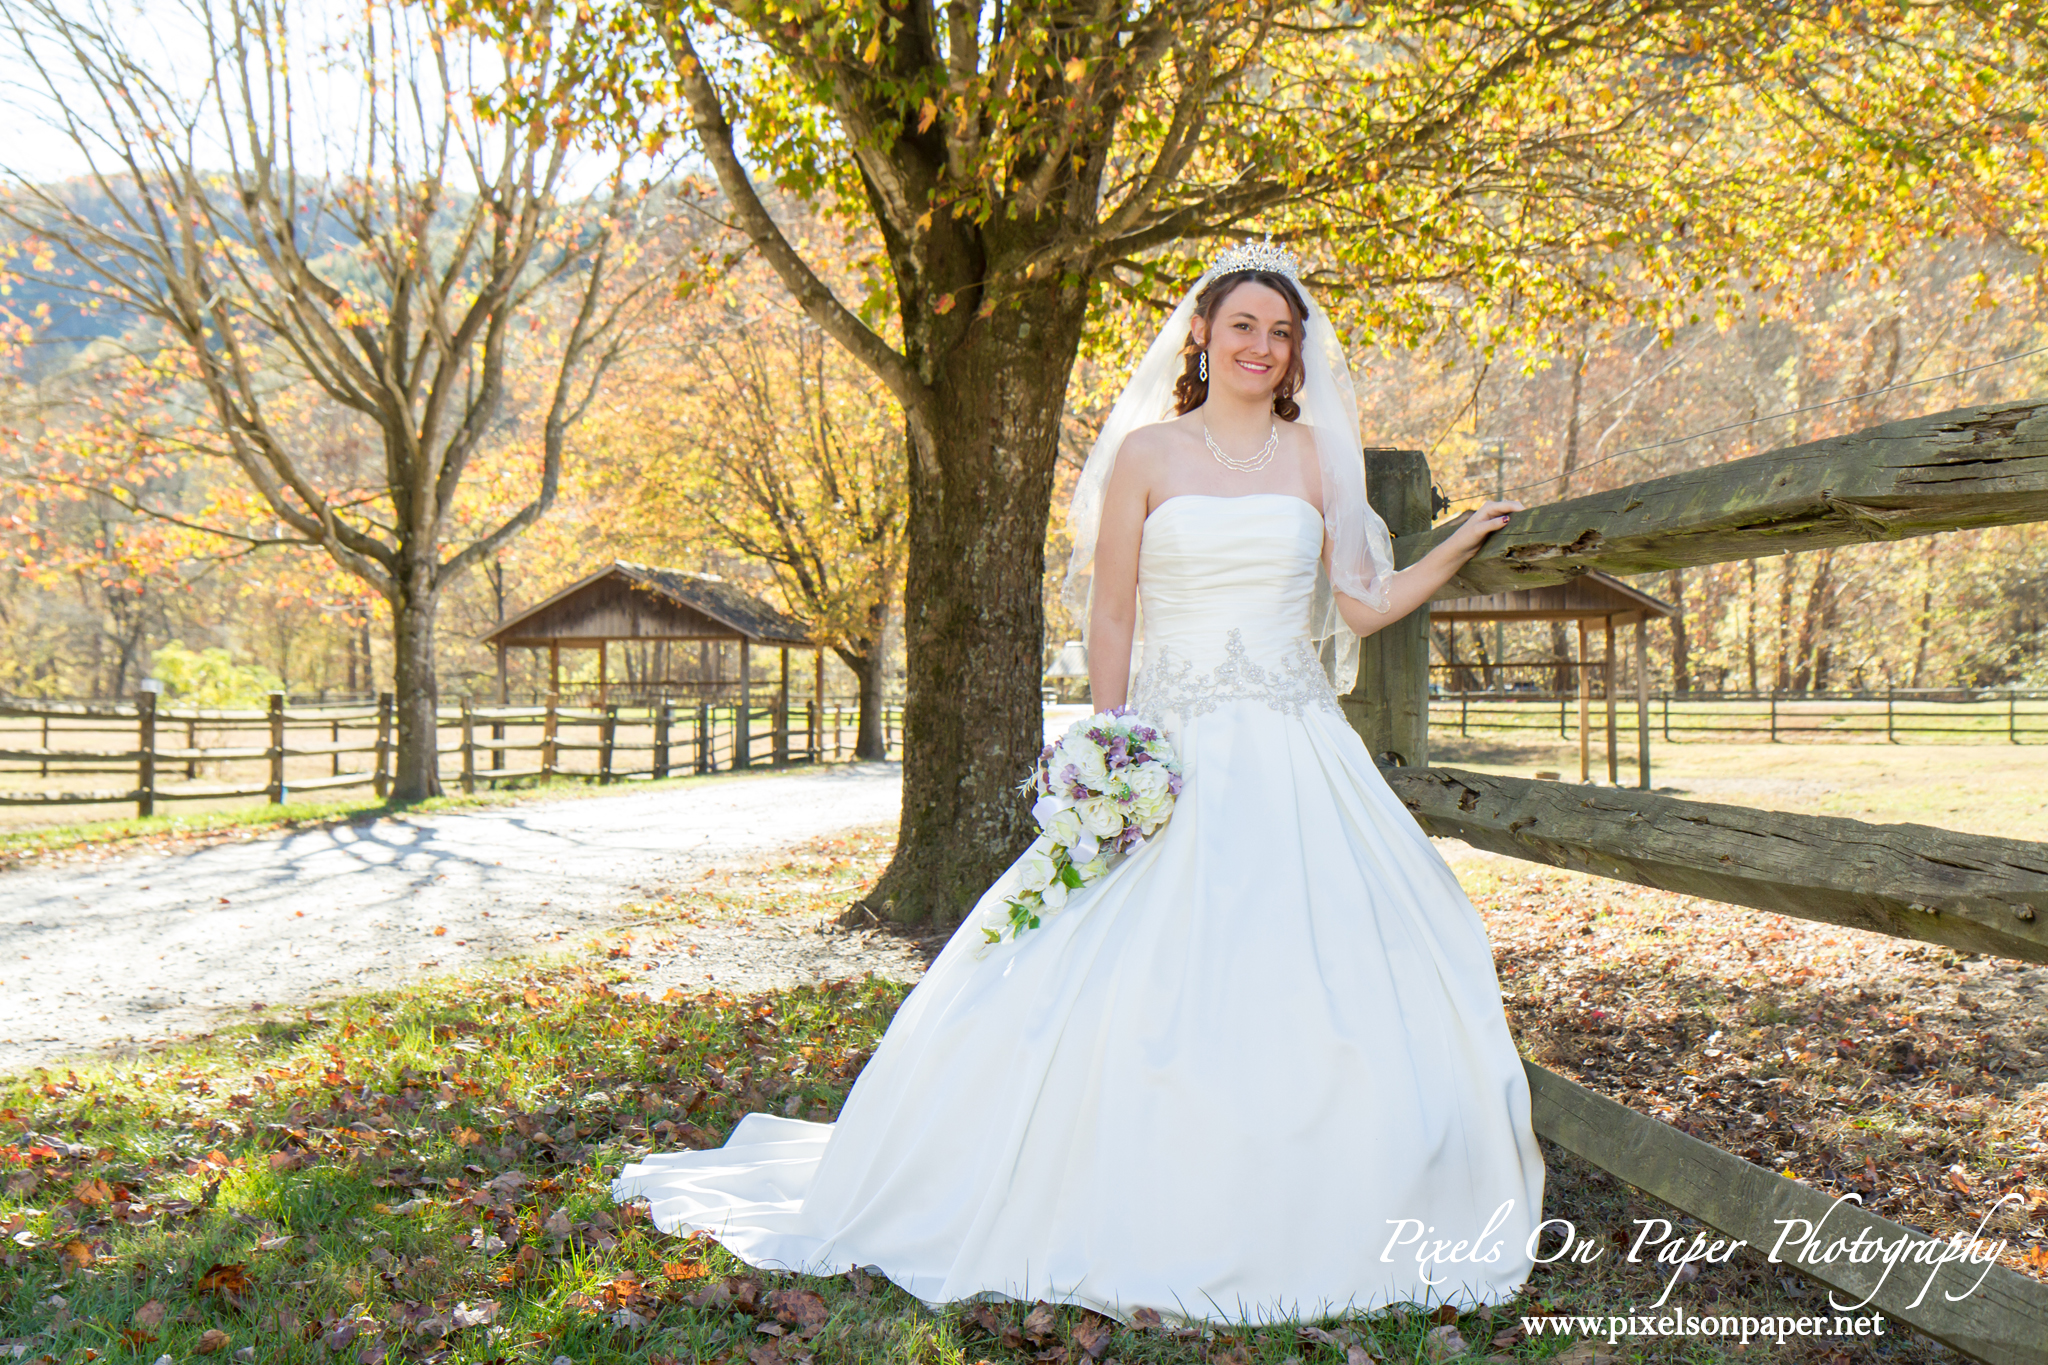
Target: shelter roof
1590, 596
627, 601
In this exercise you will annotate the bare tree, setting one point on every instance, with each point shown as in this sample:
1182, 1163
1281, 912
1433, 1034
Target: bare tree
397, 266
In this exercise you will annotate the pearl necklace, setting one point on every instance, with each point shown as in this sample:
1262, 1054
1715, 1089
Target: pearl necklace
1249, 465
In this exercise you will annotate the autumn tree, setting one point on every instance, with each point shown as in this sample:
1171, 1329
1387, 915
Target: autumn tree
326, 214
1017, 160
745, 430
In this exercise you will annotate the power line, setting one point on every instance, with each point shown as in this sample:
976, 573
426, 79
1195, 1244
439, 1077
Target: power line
1750, 422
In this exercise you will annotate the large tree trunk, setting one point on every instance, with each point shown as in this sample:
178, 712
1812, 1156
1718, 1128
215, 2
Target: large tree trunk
867, 670
416, 767
981, 480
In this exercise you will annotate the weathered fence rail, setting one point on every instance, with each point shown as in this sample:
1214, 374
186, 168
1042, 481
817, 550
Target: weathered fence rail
1974, 467
186, 754
1975, 892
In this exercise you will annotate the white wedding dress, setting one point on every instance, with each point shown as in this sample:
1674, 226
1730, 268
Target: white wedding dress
1217, 1083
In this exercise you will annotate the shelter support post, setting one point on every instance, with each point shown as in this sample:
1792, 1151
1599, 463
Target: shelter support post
1607, 686
743, 730
782, 712
1585, 734
1642, 702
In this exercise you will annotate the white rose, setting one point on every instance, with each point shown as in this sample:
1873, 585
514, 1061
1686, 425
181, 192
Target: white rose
1036, 871
1101, 816
1066, 828
1086, 758
1091, 869
1054, 895
1147, 781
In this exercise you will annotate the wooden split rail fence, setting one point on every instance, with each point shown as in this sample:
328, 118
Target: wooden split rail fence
1894, 716
1958, 470
51, 752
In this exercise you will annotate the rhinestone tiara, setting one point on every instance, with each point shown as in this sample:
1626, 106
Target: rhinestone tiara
1256, 256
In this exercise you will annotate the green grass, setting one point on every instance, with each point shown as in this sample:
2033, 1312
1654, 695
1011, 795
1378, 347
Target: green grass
423, 1175
356, 1185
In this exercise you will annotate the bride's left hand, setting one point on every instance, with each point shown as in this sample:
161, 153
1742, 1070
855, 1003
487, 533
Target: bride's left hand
1474, 530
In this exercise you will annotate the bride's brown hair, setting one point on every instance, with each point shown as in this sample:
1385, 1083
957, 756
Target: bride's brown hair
1190, 391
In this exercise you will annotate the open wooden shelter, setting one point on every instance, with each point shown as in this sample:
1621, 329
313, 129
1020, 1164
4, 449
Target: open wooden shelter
682, 626
1591, 599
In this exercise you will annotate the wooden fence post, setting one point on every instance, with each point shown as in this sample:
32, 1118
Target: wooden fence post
276, 754
1774, 715
334, 740
814, 731
145, 753
607, 736
703, 737
1389, 706
191, 743
468, 749
547, 736
1889, 738
661, 720
2011, 716
46, 734
386, 704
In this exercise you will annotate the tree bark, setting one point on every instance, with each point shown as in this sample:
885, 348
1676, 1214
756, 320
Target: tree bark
867, 671
974, 619
416, 771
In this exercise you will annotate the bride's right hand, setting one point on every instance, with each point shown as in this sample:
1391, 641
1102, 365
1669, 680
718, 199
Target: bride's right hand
1474, 530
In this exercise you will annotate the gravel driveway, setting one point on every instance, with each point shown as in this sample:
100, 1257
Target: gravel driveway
147, 946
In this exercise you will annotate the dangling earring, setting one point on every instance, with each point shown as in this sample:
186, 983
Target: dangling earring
1202, 368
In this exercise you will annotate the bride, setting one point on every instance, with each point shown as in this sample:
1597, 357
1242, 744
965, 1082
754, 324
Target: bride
1259, 1070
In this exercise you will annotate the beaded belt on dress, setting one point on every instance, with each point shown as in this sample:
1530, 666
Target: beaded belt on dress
1169, 683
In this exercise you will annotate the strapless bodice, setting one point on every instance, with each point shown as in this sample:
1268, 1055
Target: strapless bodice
1225, 585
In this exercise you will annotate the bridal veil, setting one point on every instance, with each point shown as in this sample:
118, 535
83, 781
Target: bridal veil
1359, 555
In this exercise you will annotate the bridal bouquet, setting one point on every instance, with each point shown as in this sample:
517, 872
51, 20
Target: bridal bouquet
1106, 786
